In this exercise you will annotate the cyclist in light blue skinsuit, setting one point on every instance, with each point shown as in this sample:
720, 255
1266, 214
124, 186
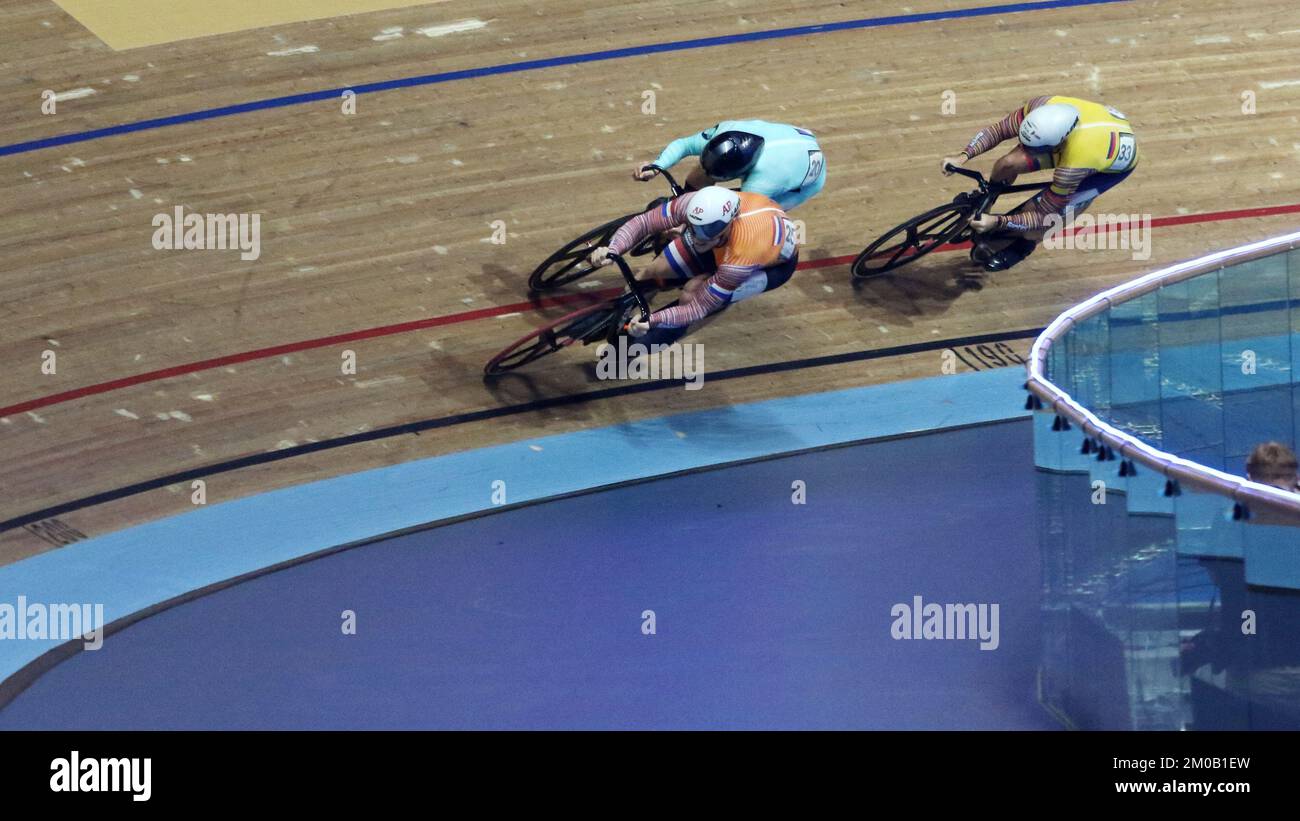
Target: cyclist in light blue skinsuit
779, 161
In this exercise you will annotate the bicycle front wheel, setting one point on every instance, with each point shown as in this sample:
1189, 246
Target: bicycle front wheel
583, 324
913, 239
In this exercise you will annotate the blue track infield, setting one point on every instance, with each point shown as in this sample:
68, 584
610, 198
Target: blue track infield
769, 614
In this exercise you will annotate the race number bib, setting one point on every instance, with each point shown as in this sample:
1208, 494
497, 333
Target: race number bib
791, 243
1126, 153
815, 165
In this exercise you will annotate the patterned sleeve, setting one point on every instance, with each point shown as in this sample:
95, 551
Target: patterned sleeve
658, 219
716, 293
1004, 129
1065, 181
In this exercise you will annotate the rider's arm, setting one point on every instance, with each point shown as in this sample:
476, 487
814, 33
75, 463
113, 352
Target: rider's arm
1065, 181
1004, 129
658, 219
683, 147
710, 299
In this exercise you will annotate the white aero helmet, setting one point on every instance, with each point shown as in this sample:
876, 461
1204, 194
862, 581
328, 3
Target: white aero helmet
711, 210
1048, 125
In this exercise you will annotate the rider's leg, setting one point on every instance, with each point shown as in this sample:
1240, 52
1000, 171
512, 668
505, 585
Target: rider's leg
677, 264
1093, 186
790, 200
1021, 245
769, 279
1014, 253
766, 280
1017, 161
1006, 169
992, 251
675, 268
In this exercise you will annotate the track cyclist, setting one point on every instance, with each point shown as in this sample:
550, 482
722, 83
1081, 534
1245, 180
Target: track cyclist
1091, 146
734, 245
782, 162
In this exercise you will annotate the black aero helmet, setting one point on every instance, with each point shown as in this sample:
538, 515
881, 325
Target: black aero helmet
731, 154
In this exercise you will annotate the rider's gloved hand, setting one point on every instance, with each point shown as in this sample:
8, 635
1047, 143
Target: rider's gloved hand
984, 223
599, 257
636, 327
643, 172
957, 161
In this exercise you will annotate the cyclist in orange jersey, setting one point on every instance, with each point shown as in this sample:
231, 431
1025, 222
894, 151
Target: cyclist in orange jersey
735, 245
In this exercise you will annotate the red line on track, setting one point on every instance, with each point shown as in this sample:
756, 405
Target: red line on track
499, 310
294, 347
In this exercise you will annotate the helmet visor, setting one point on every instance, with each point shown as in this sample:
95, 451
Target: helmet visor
708, 231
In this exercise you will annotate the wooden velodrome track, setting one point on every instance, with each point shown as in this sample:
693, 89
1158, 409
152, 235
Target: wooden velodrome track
386, 216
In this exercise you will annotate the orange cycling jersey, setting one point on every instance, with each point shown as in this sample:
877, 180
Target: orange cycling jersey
760, 237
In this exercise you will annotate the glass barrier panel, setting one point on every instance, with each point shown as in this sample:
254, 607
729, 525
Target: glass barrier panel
1255, 329
1135, 368
1206, 526
1191, 389
1177, 611
1089, 352
1272, 554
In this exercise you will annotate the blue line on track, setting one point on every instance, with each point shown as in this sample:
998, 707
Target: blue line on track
533, 65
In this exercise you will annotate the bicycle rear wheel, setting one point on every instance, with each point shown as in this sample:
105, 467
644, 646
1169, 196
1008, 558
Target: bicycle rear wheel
584, 324
913, 239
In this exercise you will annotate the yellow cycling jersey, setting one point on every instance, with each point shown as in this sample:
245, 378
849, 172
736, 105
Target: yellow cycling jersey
1102, 141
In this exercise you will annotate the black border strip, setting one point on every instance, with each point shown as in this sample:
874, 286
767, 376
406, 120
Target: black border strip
24, 677
494, 413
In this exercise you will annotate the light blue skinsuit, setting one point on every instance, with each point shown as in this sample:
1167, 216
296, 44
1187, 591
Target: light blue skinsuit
790, 168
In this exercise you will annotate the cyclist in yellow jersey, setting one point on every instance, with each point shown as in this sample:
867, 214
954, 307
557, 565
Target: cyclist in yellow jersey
1091, 146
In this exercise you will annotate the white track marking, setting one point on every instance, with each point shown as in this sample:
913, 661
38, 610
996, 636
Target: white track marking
289, 52
452, 28
387, 380
74, 94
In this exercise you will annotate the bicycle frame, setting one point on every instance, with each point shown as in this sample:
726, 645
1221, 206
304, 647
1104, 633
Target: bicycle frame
990, 191
632, 284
